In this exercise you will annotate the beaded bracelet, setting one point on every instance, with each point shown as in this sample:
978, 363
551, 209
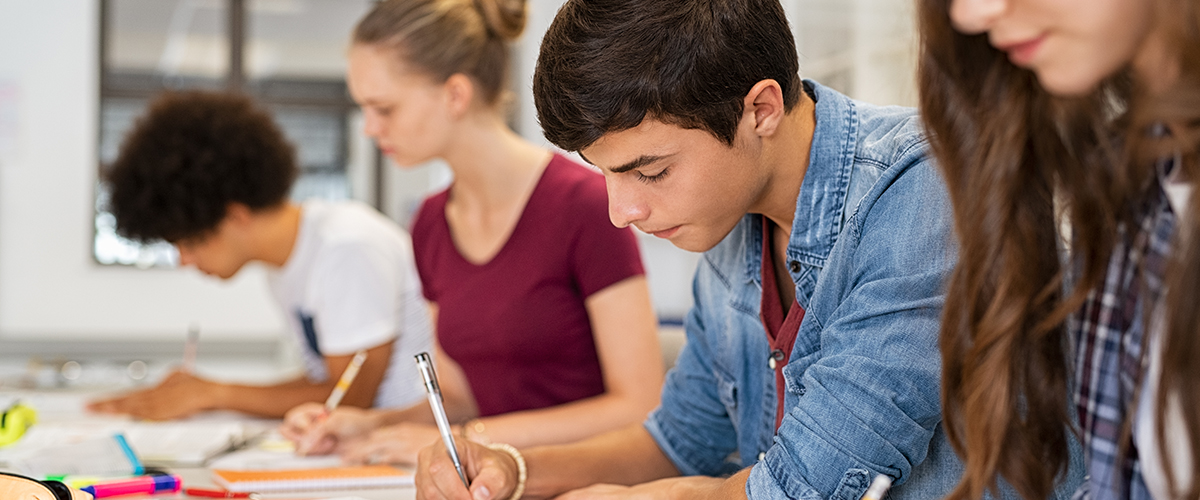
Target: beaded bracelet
521, 472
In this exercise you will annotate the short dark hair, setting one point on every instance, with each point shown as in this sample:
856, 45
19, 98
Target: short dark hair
191, 155
605, 65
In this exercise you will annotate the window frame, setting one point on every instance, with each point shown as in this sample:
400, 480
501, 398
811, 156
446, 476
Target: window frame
324, 95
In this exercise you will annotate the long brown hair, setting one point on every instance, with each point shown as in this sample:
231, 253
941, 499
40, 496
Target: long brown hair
445, 37
1011, 154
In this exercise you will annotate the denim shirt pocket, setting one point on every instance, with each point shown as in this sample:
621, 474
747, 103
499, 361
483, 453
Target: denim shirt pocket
806, 352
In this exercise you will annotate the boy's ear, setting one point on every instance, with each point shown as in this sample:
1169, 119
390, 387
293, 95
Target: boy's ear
238, 213
764, 103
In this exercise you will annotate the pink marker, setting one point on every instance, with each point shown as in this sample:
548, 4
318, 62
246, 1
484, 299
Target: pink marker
145, 485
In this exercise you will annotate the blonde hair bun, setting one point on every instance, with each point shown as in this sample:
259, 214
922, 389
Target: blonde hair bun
504, 18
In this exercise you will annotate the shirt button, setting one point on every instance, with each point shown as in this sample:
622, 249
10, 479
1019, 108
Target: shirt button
794, 266
762, 455
774, 358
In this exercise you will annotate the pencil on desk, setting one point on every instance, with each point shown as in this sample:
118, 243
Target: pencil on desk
343, 384
207, 493
189, 348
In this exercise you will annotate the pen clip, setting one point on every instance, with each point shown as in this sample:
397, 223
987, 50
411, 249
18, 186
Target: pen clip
428, 375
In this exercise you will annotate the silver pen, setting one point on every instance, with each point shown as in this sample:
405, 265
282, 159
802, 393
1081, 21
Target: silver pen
439, 411
879, 487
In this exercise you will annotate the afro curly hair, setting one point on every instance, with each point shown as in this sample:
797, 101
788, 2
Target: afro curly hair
190, 156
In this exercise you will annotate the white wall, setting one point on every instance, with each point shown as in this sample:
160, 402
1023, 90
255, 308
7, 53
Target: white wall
49, 285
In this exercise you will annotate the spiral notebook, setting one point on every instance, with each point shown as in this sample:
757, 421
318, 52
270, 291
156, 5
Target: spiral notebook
333, 478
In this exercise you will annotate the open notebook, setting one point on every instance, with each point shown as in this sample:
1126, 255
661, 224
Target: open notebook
179, 443
332, 478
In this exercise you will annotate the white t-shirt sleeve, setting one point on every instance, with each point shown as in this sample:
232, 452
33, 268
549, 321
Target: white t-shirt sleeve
354, 294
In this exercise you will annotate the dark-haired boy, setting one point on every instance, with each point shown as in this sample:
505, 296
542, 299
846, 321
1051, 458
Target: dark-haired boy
210, 173
812, 360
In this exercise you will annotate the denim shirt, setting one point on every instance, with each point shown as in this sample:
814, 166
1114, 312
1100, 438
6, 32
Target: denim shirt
870, 250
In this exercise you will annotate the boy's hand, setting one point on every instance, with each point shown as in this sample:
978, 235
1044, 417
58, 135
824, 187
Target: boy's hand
180, 395
493, 474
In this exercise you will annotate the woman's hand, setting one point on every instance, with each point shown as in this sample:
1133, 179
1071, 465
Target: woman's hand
316, 433
395, 444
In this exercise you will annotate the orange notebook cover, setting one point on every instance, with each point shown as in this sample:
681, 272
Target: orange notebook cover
335, 478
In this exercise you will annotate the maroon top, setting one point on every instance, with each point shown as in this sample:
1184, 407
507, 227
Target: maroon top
781, 330
517, 324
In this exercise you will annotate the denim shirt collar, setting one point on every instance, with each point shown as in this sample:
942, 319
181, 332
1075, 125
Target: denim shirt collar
821, 204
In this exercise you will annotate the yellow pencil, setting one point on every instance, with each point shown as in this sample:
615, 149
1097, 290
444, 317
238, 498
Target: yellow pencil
339, 391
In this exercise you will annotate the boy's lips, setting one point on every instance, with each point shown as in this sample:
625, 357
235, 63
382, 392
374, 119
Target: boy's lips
664, 233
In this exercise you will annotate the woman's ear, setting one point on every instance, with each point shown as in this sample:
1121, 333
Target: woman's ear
460, 92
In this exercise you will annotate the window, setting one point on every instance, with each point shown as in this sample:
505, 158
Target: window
287, 54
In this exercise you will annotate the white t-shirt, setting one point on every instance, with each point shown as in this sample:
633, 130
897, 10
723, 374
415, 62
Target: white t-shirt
351, 284
1145, 427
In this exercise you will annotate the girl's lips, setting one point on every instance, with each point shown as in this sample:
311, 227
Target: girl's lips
1022, 53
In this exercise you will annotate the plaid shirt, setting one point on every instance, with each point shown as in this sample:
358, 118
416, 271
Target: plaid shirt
1108, 333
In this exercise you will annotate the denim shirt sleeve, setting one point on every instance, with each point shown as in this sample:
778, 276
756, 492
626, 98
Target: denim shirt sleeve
866, 399
691, 425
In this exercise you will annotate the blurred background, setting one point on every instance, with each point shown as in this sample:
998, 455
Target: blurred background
75, 74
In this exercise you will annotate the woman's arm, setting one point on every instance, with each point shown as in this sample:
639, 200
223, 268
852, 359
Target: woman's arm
626, 338
456, 393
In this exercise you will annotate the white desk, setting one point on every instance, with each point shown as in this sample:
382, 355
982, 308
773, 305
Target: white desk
199, 477
65, 407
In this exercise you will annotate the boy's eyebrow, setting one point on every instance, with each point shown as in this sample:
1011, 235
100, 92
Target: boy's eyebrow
640, 161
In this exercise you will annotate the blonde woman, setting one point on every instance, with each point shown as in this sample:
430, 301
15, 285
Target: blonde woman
542, 310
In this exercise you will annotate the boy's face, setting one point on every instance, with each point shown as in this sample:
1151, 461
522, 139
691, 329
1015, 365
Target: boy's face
219, 253
684, 185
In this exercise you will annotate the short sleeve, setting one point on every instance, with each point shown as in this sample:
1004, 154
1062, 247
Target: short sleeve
425, 232
355, 294
602, 254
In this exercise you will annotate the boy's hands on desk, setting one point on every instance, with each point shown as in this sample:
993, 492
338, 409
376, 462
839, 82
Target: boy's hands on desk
493, 474
179, 395
691, 487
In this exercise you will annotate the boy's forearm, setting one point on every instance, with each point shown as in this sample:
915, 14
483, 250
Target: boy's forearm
627, 456
271, 401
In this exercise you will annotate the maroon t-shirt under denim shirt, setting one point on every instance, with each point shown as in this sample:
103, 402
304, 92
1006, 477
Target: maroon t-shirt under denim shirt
517, 324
